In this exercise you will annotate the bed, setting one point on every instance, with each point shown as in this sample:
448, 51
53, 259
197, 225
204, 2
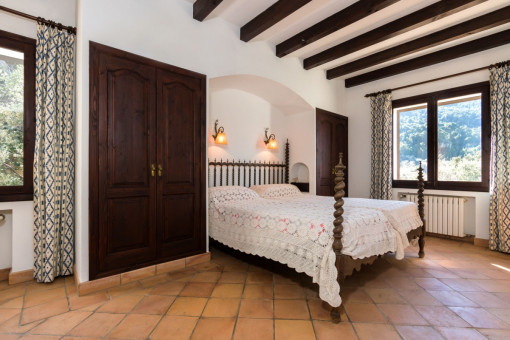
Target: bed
276, 221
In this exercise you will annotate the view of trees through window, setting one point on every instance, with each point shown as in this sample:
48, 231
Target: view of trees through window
459, 138
410, 141
11, 117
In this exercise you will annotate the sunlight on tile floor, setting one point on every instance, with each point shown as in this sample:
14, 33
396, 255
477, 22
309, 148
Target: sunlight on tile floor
458, 291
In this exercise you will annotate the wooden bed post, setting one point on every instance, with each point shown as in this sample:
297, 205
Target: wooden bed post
421, 186
338, 229
287, 162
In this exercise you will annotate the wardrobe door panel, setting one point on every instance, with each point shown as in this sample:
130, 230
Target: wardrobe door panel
180, 130
126, 234
128, 127
126, 230
178, 218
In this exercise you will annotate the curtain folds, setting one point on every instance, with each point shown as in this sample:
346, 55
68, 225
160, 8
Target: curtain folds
54, 155
382, 130
499, 220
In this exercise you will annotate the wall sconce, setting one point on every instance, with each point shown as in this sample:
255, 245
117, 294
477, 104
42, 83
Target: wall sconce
270, 141
219, 134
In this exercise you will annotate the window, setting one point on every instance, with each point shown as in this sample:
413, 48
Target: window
17, 107
449, 133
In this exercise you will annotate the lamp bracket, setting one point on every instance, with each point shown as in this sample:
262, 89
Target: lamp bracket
217, 129
268, 139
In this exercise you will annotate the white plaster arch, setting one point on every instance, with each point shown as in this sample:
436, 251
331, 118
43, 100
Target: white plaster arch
275, 93
247, 104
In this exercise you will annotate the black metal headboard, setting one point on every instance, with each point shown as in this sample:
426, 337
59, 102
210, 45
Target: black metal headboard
250, 173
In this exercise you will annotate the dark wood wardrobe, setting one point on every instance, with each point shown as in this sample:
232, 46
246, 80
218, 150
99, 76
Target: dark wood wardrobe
332, 138
147, 162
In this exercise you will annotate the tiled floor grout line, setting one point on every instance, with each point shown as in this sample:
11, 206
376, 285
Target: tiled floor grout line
203, 308
169, 306
126, 314
384, 315
240, 303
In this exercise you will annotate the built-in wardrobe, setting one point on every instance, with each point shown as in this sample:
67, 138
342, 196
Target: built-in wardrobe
146, 164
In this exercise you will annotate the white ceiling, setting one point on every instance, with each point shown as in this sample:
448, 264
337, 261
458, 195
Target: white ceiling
239, 12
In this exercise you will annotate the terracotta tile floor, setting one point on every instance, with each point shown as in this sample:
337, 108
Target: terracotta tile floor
456, 292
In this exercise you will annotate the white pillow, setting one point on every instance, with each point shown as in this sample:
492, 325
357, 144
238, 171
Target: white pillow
230, 193
276, 190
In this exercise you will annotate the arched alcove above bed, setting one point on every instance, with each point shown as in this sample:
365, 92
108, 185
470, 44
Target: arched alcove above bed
245, 105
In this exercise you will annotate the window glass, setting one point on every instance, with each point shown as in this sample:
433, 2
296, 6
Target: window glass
409, 141
459, 138
11, 117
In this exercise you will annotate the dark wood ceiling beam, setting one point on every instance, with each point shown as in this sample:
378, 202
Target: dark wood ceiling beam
461, 30
474, 46
331, 24
275, 13
202, 8
410, 22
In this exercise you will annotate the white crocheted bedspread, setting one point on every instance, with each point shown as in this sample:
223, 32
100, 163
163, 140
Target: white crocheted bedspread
403, 216
298, 233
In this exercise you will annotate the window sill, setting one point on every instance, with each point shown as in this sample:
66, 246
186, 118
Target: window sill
451, 186
16, 197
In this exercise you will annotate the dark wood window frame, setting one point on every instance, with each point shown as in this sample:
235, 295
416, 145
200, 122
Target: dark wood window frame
27, 46
432, 169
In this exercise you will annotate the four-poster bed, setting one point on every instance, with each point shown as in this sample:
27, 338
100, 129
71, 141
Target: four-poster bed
266, 174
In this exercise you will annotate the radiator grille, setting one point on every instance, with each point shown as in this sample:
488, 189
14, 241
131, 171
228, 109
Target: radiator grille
443, 214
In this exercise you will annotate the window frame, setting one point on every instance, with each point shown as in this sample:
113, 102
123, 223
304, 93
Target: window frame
27, 47
432, 138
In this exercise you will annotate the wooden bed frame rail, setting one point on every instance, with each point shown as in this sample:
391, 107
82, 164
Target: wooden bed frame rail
249, 173
345, 264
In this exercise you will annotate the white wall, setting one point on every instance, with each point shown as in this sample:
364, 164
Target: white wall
165, 31
244, 117
16, 232
357, 108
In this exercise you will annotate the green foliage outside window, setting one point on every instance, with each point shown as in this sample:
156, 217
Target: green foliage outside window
459, 141
11, 123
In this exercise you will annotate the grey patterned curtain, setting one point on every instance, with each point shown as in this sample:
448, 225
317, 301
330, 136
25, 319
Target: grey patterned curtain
382, 130
54, 155
500, 159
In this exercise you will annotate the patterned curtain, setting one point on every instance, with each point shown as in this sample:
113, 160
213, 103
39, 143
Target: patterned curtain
54, 155
500, 159
382, 130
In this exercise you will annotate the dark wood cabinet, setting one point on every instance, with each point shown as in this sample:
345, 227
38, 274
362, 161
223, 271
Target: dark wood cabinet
332, 132
147, 162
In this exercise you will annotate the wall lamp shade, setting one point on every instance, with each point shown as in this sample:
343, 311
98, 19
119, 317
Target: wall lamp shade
270, 141
219, 134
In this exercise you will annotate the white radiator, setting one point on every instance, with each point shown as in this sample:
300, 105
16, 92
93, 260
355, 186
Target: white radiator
443, 214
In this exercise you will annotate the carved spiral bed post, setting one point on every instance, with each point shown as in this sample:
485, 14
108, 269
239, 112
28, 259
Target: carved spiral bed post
421, 186
338, 229
287, 162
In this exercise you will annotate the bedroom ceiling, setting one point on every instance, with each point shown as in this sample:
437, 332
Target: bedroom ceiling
389, 36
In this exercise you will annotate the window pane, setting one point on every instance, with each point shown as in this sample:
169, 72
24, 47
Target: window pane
11, 118
409, 141
459, 132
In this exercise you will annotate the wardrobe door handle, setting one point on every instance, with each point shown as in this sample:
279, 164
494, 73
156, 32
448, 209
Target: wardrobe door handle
153, 170
160, 170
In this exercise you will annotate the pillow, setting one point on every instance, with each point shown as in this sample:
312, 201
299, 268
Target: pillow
230, 193
276, 190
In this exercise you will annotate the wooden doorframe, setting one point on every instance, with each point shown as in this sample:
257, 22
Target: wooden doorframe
323, 112
93, 203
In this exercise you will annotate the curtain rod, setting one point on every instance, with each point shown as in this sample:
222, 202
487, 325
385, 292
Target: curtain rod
440, 78
50, 23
